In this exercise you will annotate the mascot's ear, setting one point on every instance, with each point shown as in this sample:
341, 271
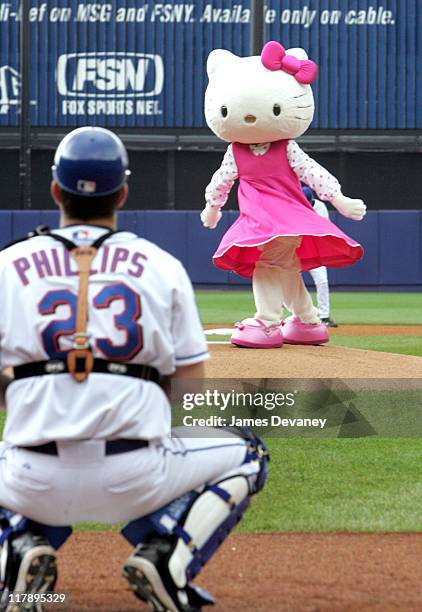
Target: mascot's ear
217, 59
298, 53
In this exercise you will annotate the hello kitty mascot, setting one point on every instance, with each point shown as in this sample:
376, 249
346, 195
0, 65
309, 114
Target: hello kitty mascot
259, 105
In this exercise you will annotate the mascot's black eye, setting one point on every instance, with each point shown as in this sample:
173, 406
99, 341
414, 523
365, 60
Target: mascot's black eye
224, 111
276, 109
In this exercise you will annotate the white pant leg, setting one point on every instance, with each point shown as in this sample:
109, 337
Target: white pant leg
82, 484
277, 280
320, 278
319, 275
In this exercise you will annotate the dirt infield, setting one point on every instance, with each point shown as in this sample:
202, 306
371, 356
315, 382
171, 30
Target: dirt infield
309, 362
317, 361
265, 573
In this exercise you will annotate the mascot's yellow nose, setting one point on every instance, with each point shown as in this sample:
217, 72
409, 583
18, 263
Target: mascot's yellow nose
250, 118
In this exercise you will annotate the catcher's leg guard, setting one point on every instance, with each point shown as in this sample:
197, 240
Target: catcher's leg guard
257, 455
179, 539
27, 562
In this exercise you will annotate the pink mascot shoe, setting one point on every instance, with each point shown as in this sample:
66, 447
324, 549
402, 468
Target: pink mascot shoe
257, 336
297, 332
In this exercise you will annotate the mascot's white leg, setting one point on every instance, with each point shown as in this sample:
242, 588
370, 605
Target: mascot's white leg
297, 298
268, 294
264, 330
276, 281
305, 326
278, 256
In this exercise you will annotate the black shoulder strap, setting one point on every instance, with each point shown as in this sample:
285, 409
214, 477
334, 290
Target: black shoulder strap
65, 241
71, 245
41, 230
44, 230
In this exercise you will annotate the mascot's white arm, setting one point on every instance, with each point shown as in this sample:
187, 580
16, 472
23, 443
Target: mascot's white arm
218, 190
325, 185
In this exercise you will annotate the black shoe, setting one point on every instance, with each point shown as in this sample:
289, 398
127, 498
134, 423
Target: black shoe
148, 575
30, 568
328, 322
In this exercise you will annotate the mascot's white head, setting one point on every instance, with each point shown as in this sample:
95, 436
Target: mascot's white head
260, 99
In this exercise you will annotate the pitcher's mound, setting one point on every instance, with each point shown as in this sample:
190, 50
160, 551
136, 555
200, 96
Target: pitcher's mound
326, 361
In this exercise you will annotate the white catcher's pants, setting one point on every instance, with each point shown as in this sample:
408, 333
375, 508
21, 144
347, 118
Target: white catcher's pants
277, 280
83, 484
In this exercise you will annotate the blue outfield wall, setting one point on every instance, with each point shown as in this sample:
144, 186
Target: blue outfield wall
392, 242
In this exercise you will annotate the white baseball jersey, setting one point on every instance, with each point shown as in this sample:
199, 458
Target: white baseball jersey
141, 310
321, 209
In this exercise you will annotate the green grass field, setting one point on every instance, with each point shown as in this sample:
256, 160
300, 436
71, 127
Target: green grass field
350, 308
223, 307
367, 484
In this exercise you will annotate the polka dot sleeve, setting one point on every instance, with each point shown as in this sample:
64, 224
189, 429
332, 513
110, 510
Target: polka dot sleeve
325, 185
218, 190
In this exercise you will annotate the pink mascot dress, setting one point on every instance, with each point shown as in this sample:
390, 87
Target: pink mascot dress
272, 205
260, 105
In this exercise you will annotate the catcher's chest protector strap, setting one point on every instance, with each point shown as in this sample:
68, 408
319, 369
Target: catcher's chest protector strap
80, 359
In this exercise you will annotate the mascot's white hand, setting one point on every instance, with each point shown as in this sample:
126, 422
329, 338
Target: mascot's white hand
210, 216
351, 208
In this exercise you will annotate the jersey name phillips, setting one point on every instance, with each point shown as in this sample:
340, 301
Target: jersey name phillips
58, 262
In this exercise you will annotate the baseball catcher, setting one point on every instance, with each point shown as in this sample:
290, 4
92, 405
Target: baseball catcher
92, 321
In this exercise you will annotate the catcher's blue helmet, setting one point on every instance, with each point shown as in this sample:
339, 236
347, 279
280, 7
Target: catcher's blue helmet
91, 161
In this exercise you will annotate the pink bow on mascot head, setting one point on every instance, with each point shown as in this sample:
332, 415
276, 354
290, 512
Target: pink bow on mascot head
274, 57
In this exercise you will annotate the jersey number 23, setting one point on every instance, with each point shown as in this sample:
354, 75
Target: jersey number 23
126, 321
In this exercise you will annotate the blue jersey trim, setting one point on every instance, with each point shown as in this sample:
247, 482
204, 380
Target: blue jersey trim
196, 450
192, 356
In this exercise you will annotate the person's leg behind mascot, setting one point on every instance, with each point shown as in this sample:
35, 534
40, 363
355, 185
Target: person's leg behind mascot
320, 278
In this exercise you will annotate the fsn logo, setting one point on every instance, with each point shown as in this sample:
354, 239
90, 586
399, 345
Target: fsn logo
10, 82
110, 75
